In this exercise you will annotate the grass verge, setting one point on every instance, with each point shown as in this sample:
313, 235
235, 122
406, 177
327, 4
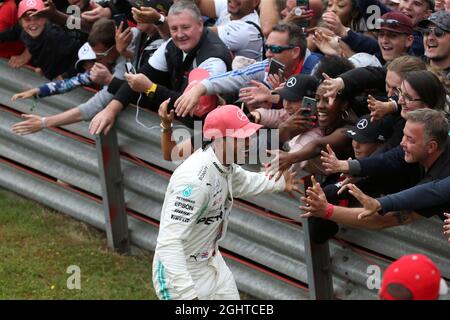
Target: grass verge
38, 245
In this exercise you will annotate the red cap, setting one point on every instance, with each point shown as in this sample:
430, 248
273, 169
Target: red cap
27, 5
206, 103
228, 121
417, 273
397, 22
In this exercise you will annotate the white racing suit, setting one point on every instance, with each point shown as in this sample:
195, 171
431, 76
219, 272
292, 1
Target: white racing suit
187, 262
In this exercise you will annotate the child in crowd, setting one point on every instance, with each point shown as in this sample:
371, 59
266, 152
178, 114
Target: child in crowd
52, 50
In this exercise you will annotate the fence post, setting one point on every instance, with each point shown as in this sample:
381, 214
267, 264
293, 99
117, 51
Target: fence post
318, 263
112, 191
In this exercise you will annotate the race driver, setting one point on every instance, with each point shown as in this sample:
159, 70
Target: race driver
187, 263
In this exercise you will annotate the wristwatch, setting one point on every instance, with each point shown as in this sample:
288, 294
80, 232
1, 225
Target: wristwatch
161, 20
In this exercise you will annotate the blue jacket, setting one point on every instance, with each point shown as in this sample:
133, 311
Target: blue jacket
65, 85
425, 195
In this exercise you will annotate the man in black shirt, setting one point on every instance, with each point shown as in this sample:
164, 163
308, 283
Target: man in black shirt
425, 144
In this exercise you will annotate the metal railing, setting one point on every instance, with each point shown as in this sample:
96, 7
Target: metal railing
265, 245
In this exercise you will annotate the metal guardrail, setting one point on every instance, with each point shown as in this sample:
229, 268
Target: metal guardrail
275, 249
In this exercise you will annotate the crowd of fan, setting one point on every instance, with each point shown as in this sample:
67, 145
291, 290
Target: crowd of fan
378, 143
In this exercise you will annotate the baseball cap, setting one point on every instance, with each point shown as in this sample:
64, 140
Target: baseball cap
298, 86
395, 21
27, 5
364, 59
366, 131
418, 274
439, 18
228, 121
240, 62
206, 103
85, 53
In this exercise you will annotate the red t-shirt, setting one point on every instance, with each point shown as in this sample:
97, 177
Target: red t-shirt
8, 18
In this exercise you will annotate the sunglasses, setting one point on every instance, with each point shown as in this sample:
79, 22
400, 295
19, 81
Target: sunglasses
104, 54
389, 22
438, 32
278, 49
406, 97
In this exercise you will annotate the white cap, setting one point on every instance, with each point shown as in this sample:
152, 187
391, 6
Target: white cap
240, 62
85, 53
363, 59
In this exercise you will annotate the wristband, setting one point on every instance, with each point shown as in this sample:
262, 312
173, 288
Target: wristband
330, 209
150, 91
161, 20
44, 122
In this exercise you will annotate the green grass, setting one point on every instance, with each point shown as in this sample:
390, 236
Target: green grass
37, 245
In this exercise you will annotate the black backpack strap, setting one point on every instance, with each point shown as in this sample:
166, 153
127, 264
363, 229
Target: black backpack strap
262, 38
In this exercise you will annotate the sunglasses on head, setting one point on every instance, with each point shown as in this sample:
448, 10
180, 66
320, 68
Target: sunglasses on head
278, 49
389, 22
438, 32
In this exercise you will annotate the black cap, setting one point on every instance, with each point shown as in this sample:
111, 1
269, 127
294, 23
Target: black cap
298, 86
366, 131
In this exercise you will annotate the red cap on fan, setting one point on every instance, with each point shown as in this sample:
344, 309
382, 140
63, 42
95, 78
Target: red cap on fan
27, 5
206, 103
416, 274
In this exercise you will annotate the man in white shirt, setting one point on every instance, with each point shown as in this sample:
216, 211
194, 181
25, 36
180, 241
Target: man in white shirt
237, 25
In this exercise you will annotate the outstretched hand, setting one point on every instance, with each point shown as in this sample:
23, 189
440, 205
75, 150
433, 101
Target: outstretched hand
378, 109
332, 87
186, 103
331, 163
279, 164
32, 124
316, 203
166, 117
292, 183
371, 205
25, 94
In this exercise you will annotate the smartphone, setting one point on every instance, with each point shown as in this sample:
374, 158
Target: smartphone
121, 17
276, 67
311, 104
303, 3
130, 68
